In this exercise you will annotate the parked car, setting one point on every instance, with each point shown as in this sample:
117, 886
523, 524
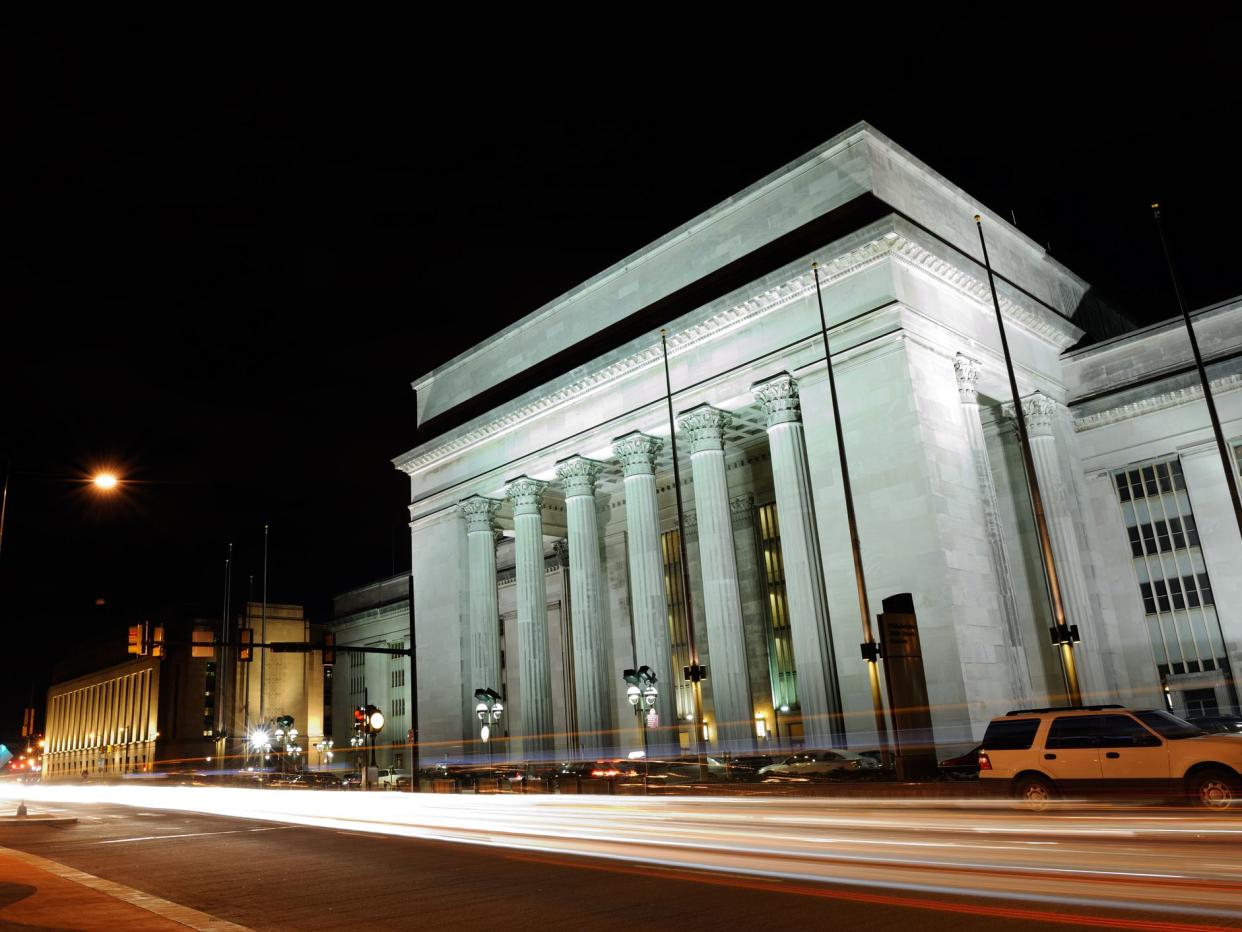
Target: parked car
393, 779
964, 766
1037, 755
1217, 724
352, 780
288, 781
810, 764
323, 780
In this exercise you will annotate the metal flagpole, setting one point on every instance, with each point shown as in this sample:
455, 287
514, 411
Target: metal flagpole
864, 608
222, 680
263, 622
1064, 634
1226, 459
696, 672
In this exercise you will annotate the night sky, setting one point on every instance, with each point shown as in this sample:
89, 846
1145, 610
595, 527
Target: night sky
227, 252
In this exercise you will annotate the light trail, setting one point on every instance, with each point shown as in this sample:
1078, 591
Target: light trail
1134, 859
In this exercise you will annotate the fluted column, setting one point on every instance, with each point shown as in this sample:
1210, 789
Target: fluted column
819, 693
591, 674
648, 599
1060, 510
722, 602
526, 494
484, 630
968, 370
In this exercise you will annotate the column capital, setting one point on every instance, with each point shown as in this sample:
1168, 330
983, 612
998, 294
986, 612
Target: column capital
479, 512
1038, 409
578, 475
705, 426
779, 397
968, 371
742, 510
637, 452
526, 494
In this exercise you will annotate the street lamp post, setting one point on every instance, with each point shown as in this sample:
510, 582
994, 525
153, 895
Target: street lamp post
642, 693
324, 747
488, 711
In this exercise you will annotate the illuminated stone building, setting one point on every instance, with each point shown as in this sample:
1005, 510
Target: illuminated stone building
543, 525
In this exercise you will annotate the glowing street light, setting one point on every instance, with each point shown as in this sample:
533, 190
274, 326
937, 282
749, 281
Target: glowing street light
488, 711
106, 481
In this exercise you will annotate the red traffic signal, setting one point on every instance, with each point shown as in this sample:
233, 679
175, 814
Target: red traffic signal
245, 645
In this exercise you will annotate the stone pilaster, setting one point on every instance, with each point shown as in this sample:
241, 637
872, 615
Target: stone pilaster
590, 637
1061, 511
722, 602
968, 371
648, 601
483, 654
819, 693
526, 494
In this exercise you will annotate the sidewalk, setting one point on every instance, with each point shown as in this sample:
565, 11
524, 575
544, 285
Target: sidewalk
36, 892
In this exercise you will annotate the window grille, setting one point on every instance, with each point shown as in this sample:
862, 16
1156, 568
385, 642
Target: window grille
1178, 605
781, 665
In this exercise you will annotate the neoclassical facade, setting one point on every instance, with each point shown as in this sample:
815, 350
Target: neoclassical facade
547, 551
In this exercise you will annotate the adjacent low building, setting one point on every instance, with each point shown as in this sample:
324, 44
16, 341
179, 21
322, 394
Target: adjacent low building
191, 708
376, 615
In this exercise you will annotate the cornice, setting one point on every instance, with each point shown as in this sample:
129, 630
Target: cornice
888, 246
1154, 403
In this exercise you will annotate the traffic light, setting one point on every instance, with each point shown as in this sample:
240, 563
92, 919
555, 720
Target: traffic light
245, 645
137, 640
329, 648
157, 640
28, 723
368, 719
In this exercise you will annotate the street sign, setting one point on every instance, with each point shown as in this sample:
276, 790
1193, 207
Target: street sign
653, 718
409, 736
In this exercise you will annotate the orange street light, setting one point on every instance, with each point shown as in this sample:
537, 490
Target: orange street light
105, 481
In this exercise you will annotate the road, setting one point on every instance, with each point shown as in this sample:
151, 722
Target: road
275, 859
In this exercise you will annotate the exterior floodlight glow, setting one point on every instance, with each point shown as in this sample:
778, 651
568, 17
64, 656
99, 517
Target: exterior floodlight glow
105, 480
258, 738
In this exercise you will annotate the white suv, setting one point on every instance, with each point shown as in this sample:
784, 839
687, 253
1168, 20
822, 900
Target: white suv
1037, 755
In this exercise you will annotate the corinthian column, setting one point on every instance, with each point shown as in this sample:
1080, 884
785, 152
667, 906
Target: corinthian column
1061, 511
722, 602
648, 600
819, 693
968, 370
578, 475
484, 651
526, 494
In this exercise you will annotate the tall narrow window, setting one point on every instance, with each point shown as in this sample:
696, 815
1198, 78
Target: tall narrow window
781, 666
1172, 577
678, 633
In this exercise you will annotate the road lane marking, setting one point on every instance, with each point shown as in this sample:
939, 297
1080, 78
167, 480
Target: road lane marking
175, 912
236, 831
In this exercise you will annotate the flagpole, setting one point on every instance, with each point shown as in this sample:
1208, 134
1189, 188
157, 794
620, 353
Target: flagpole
1231, 479
864, 608
696, 672
1063, 632
263, 634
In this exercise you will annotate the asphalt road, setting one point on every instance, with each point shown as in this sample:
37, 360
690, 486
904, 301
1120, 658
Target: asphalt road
277, 875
